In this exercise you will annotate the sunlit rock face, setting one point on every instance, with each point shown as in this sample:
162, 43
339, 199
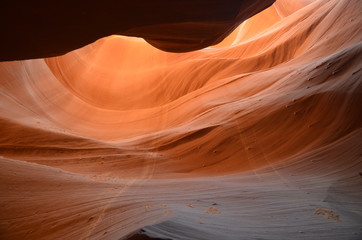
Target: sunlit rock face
258, 137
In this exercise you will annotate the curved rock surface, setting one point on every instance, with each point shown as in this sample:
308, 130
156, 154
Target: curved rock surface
258, 137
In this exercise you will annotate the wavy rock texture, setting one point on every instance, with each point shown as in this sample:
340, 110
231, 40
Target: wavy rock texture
258, 137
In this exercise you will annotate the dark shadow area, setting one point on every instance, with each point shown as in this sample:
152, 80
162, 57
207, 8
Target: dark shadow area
141, 236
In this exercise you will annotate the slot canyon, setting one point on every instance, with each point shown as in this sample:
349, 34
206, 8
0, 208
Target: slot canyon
181, 120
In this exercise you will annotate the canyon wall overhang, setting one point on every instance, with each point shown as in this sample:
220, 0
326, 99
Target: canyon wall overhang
37, 29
